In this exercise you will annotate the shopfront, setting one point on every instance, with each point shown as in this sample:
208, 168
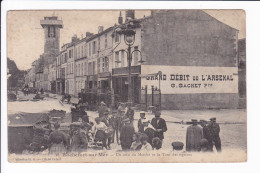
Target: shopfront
120, 84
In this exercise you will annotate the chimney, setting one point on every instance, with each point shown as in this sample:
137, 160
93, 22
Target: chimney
74, 38
100, 29
120, 19
88, 35
129, 15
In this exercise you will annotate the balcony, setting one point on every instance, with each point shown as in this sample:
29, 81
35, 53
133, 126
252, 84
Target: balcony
58, 23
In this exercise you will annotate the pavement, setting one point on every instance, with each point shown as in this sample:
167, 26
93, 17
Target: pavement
232, 121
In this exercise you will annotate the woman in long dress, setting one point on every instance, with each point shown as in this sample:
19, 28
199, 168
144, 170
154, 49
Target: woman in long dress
57, 141
136, 145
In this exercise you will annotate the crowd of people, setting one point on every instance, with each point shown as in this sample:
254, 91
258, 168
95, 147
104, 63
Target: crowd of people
203, 138
117, 126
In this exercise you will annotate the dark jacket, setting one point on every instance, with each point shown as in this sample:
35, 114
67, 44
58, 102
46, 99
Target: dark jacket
207, 134
140, 126
214, 130
130, 114
126, 134
160, 125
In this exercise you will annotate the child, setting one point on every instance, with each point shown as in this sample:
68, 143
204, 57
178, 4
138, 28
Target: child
145, 144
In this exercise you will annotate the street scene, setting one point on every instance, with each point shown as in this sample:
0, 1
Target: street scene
155, 80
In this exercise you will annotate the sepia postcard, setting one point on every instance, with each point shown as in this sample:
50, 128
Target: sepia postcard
126, 86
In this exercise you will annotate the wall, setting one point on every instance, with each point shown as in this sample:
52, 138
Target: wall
198, 101
190, 38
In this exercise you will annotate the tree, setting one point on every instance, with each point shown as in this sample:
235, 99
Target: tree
16, 75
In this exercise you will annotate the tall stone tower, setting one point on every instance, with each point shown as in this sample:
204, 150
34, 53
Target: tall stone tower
51, 26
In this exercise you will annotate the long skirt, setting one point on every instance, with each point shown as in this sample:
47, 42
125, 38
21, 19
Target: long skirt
57, 149
101, 136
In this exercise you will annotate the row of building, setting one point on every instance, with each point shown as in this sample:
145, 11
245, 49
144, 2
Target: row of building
167, 38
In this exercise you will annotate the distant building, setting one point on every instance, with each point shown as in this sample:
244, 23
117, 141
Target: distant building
51, 26
70, 75
61, 65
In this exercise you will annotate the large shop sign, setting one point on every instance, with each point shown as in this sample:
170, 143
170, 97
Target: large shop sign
188, 79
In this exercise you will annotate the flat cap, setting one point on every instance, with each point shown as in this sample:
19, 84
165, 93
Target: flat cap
177, 145
213, 119
157, 113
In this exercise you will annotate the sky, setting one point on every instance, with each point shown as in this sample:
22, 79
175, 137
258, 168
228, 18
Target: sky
25, 37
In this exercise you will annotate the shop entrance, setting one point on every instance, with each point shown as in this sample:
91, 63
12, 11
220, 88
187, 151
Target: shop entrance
120, 85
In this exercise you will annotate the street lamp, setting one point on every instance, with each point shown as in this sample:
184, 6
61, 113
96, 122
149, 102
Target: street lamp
129, 38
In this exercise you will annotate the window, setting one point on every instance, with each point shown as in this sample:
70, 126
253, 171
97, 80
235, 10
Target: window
117, 37
106, 64
86, 68
94, 47
76, 53
122, 58
98, 43
136, 55
82, 55
89, 68
72, 53
79, 52
98, 65
86, 52
69, 53
79, 70
103, 64
94, 67
89, 50
105, 40
82, 69
51, 31
66, 56
117, 58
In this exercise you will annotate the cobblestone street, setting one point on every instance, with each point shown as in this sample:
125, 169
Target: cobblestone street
232, 122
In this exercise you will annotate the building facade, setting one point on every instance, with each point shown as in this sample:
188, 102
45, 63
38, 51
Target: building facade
80, 65
168, 44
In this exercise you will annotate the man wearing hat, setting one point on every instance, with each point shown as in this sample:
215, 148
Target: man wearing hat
206, 134
215, 129
57, 141
177, 146
159, 124
102, 108
126, 134
193, 137
79, 141
130, 112
116, 124
149, 130
110, 130
140, 124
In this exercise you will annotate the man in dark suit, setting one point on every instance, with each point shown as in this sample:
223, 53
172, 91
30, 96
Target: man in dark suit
214, 131
159, 124
126, 134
